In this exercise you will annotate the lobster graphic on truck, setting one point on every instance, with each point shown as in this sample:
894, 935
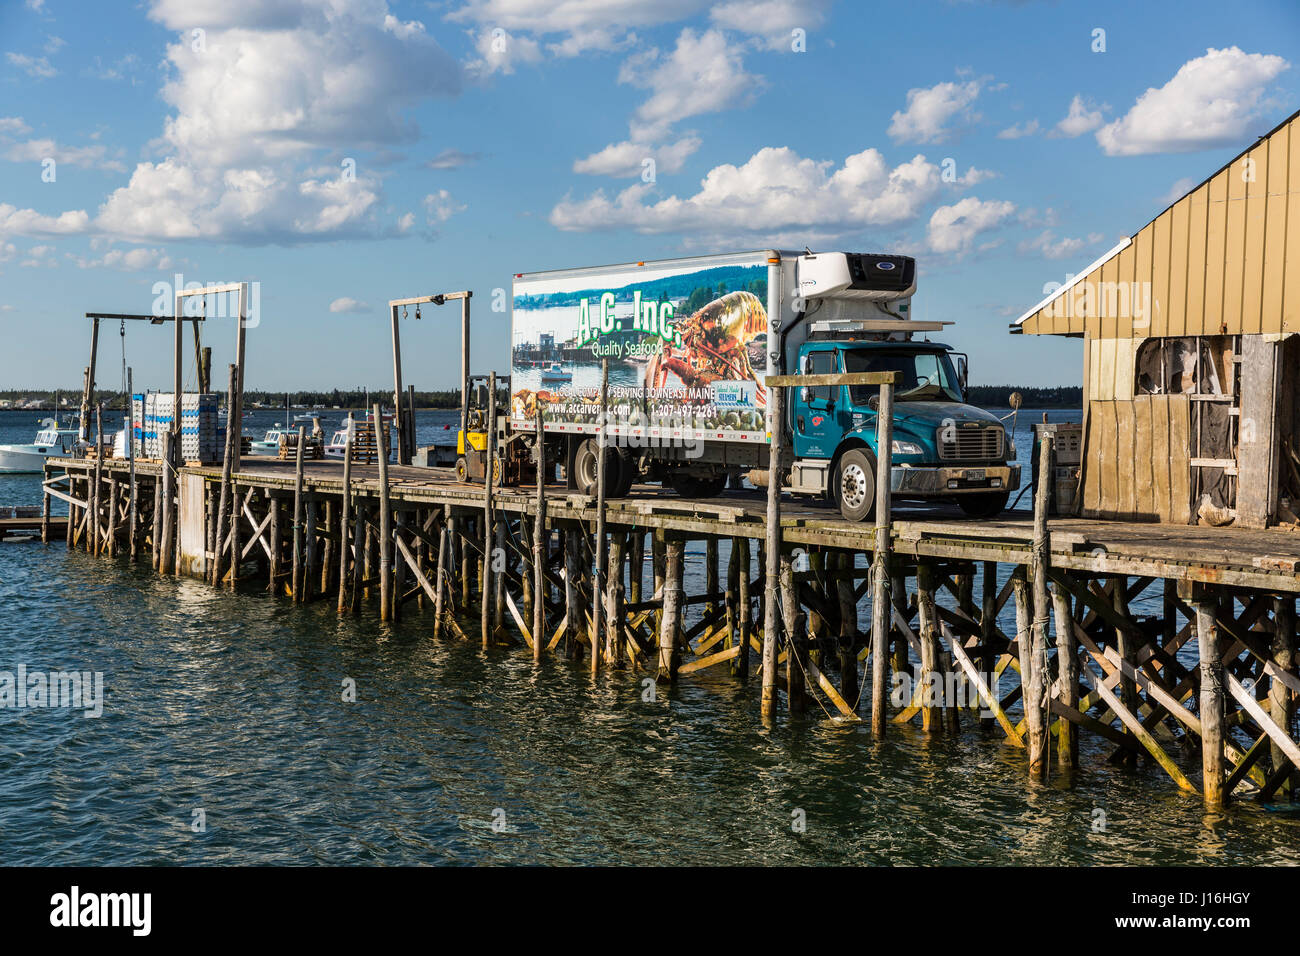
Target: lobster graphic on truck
689, 343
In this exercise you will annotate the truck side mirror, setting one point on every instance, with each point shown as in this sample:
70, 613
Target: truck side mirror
805, 393
963, 371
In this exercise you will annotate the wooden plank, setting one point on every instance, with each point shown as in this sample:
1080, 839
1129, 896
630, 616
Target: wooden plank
834, 378
701, 663
1143, 474
829, 690
973, 675
1261, 717
1180, 474
1158, 407
1125, 456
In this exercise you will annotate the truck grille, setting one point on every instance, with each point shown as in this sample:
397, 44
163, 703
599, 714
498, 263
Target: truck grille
963, 443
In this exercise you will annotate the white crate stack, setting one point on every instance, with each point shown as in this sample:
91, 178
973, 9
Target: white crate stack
202, 435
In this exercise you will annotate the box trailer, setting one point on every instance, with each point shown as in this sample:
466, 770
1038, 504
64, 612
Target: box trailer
689, 344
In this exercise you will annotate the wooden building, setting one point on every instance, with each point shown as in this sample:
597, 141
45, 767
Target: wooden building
1191, 369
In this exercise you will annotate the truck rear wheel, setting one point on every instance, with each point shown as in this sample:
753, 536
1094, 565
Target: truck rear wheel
693, 486
585, 468
984, 506
854, 484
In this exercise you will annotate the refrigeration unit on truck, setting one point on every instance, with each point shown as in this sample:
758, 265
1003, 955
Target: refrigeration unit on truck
690, 343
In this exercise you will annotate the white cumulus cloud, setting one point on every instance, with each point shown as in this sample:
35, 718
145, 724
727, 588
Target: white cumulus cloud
954, 228
930, 110
348, 304
1213, 100
1079, 119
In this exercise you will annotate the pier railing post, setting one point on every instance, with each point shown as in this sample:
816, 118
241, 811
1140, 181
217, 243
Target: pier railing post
297, 570
1036, 686
539, 545
345, 516
881, 606
489, 467
771, 607
1212, 723
599, 545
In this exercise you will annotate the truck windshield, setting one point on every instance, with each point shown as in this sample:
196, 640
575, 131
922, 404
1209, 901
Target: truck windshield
923, 376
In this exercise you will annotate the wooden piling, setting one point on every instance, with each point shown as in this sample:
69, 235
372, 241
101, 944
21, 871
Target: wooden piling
345, 517
1032, 693
848, 636
881, 607
1035, 677
599, 545
1067, 676
795, 623
1212, 706
45, 512
1282, 650
385, 521
230, 452
539, 545
744, 608
771, 610
672, 604
485, 585
297, 572
614, 593
931, 679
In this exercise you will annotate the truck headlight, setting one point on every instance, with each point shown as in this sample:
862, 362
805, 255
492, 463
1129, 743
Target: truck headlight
906, 448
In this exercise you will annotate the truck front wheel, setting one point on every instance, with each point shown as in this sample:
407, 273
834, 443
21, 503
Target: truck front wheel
984, 506
854, 484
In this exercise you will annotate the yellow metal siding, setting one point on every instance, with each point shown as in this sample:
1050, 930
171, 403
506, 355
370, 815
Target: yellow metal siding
1224, 259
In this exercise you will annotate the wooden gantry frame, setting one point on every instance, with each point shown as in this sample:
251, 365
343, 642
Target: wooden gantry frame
404, 418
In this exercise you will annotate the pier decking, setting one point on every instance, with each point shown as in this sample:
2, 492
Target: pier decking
1080, 660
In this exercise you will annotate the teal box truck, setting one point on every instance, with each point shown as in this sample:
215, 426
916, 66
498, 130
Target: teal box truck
689, 344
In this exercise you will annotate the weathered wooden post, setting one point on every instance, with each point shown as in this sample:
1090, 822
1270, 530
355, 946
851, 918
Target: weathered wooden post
227, 469
881, 607
614, 601
1032, 692
1036, 685
168, 501
599, 545
488, 469
439, 604
1067, 676
134, 512
672, 601
1283, 652
932, 685
1212, 723
385, 520
297, 574
539, 544
771, 608
345, 516
45, 511
98, 478
273, 570
573, 615
845, 594
744, 608
796, 623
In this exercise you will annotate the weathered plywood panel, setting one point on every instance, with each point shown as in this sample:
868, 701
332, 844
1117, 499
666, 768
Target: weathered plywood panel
1144, 501
1180, 459
1092, 483
1125, 455
1161, 490
192, 536
1256, 444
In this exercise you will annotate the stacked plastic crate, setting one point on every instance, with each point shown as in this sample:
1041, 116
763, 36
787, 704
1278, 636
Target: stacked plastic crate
203, 437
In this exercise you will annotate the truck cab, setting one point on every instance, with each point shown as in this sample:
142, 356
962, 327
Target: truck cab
942, 447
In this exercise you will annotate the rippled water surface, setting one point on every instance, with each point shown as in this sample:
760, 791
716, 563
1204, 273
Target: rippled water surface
232, 704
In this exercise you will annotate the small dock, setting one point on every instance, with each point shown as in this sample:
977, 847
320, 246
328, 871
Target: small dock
1202, 694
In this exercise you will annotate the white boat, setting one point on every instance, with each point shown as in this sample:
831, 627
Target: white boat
270, 444
51, 442
556, 374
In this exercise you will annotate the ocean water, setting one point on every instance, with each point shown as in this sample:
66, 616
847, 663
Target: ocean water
230, 710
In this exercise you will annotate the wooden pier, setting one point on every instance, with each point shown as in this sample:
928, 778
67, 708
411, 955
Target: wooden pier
1203, 693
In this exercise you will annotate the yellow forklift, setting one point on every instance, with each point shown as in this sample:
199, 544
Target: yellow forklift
512, 464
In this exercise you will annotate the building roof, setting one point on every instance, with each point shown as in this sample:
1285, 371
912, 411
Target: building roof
1222, 260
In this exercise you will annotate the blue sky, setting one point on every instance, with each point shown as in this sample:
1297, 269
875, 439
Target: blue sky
345, 152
